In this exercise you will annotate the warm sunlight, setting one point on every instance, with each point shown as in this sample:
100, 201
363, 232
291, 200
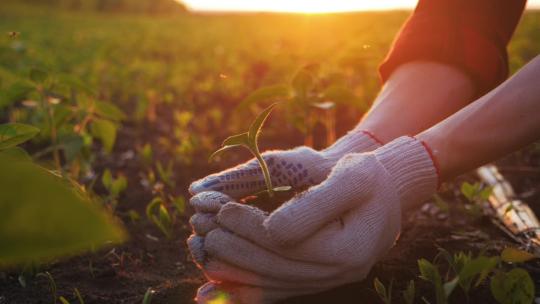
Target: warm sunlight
298, 6
305, 6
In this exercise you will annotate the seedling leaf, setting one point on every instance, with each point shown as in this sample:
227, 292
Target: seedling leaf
220, 151
514, 255
256, 126
109, 111
105, 130
515, 286
13, 134
408, 293
240, 139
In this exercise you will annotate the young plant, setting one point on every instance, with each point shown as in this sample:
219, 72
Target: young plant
475, 194
157, 213
384, 294
249, 140
409, 293
514, 286
115, 187
148, 296
52, 284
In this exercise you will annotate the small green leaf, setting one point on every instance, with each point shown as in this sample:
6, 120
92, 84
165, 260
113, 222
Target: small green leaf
240, 139
450, 286
158, 214
44, 217
179, 203
255, 128
13, 134
469, 190
514, 255
409, 292
109, 111
63, 300
220, 151
78, 295
381, 290
133, 215
148, 296
147, 154
107, 179
513, 287
105, 130
486, 193
430, 273
38, 75
481, 264
119, 185
441, 204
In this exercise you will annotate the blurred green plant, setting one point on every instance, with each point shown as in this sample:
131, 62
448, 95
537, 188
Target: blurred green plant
115, 187
44, 216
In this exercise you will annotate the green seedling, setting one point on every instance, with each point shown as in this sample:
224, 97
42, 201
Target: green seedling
52, 284
165, 173
249, 140
475, 194
148, 296
115, 187
409, 293
514, 286
157, 213
78, 295
384, 294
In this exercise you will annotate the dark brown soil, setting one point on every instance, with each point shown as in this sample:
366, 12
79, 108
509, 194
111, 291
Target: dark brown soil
123, 274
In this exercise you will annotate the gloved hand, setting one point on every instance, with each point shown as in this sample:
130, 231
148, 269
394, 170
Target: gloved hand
297, 168
301, 248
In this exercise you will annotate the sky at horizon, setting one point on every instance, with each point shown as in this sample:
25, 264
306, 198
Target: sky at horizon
306, 6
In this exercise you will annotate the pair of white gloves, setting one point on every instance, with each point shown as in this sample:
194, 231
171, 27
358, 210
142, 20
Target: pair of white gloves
327, 236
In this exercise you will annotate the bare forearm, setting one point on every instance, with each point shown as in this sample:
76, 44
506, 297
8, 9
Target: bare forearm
498, 123
417, 96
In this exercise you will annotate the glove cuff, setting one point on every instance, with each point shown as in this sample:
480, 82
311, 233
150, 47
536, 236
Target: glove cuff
355, 141
411, 165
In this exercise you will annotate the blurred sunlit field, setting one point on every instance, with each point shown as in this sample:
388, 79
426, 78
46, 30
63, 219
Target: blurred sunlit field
179, 80
206, 64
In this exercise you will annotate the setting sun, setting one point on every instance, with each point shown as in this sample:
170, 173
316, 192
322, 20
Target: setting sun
298, 6
305, 6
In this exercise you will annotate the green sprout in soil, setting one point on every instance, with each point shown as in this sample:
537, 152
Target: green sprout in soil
249, 140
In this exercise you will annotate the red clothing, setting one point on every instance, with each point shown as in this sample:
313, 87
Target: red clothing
470, 34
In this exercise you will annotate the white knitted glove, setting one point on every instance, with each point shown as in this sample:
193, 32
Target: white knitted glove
297, 168
301, 248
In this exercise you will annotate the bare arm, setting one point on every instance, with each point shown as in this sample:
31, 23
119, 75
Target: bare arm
498, 123
417, 96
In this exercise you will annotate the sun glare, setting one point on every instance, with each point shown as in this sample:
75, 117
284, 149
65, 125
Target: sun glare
298, 6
